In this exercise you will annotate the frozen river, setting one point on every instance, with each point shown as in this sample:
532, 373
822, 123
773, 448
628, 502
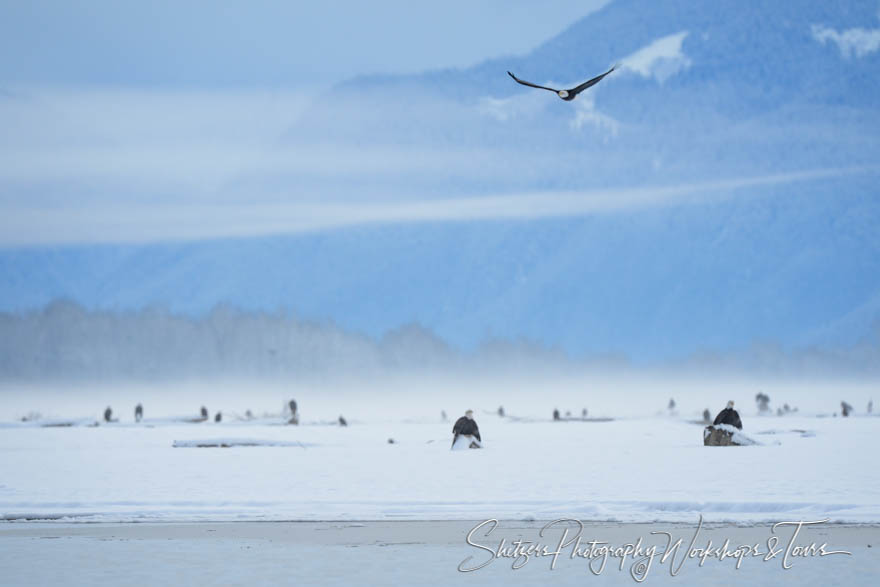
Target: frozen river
418, 553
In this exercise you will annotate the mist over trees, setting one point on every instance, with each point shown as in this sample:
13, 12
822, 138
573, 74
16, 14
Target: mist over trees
64, 340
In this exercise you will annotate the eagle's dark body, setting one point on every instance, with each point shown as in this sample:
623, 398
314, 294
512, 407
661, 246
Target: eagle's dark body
467, 427
728, 416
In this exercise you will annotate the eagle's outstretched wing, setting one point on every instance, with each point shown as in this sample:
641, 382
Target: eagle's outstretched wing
578, 89
530, 84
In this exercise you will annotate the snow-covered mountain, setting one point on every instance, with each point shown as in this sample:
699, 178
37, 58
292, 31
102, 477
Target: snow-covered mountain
705, 91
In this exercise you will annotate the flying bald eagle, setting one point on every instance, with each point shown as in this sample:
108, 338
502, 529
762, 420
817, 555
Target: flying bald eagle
567, 95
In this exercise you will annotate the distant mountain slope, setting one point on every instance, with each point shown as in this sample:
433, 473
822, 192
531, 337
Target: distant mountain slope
707, 90
704, 88
776, 266
769, 53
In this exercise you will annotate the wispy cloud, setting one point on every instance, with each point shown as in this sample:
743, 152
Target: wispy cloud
193, 139
586, 115
84, 166
24, 225
855, 42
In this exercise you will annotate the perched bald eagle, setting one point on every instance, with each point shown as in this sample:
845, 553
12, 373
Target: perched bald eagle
466, 426
567, 95
728, 416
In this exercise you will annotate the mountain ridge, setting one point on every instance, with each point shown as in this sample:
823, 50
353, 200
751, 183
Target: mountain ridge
796, 264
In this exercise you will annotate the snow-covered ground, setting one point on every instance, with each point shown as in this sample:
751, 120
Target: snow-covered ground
645, 465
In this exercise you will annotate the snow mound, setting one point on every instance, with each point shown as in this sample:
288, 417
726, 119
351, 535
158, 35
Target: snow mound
235, 442
51, 423
803, 433
465, 442
737, 435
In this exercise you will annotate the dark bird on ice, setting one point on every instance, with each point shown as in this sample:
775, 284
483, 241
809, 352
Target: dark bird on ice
567, 95
728, 416
466, 426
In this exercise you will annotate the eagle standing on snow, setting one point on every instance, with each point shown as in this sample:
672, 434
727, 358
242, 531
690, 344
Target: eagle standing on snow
567, 95
466, 426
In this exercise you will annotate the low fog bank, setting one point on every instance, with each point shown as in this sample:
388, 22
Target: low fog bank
65, 342
416, 399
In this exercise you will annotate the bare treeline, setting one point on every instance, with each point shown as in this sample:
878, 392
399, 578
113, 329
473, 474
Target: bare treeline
66, 340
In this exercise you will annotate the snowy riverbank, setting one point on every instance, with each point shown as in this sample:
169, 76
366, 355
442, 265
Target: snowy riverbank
636, 469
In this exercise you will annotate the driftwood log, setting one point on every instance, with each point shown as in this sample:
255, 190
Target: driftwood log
724, 435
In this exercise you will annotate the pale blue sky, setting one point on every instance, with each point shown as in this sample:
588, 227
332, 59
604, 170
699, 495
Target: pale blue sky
262, 42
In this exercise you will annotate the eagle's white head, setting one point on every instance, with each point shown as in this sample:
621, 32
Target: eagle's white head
562, 94
730, 404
